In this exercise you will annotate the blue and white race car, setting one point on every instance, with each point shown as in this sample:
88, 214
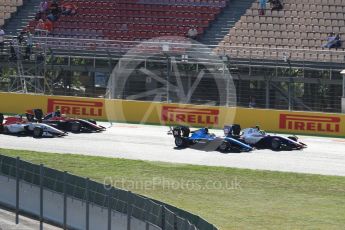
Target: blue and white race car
201, 139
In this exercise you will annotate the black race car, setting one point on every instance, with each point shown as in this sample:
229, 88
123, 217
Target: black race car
55, 119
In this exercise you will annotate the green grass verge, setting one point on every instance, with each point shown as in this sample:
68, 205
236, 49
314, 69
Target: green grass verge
227, 197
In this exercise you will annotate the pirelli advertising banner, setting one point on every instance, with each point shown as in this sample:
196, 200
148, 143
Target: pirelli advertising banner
309, 123
323, 124
167, 114
12, 103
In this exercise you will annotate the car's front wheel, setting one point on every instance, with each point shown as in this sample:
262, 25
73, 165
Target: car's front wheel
180, 142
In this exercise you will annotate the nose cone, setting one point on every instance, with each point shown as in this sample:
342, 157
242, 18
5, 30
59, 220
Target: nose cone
60, 133
54, 131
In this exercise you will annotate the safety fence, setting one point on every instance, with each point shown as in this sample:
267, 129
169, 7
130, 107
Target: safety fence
73, 202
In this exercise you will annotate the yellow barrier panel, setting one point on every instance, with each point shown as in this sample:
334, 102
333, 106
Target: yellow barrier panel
74, 106
167, 114
309, 123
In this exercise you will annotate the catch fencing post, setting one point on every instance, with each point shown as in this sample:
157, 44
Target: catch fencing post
129, 210
87, 203
109, 207
17, 189
163, 217
147, 226
41, 196
175, 221
65, 200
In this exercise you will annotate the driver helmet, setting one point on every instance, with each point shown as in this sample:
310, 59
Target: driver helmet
30, 116
57, 113
206, 130
257, 127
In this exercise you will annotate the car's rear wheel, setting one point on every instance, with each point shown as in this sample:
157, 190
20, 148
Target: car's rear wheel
75, 127
38, 132
5, 130
180, 142
275, 144
224, 146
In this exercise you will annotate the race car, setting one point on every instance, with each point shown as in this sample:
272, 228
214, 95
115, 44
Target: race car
201, 139
18, 125
258, 138
59, 121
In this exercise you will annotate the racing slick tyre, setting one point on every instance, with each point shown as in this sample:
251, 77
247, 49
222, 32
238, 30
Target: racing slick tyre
180, 142
223, 147
75, 127
38, 132
5, 130
293, 138
275, 144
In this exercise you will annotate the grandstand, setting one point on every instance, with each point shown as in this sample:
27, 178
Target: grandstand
135, 20
300, 25
277, 58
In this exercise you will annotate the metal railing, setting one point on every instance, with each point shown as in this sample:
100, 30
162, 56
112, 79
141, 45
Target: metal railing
179, 45
295, 79
89, 199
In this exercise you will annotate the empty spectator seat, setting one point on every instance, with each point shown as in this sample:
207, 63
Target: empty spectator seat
7, 7
303, 24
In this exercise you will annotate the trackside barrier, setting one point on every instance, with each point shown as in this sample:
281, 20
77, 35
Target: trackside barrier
309, 123
73, 202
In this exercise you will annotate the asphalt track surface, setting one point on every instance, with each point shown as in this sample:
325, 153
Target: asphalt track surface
145, 142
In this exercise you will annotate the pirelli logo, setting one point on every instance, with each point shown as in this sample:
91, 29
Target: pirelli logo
76, 107
329, 124
173, 114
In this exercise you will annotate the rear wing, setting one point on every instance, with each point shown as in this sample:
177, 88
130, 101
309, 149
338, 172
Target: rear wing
181, 131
